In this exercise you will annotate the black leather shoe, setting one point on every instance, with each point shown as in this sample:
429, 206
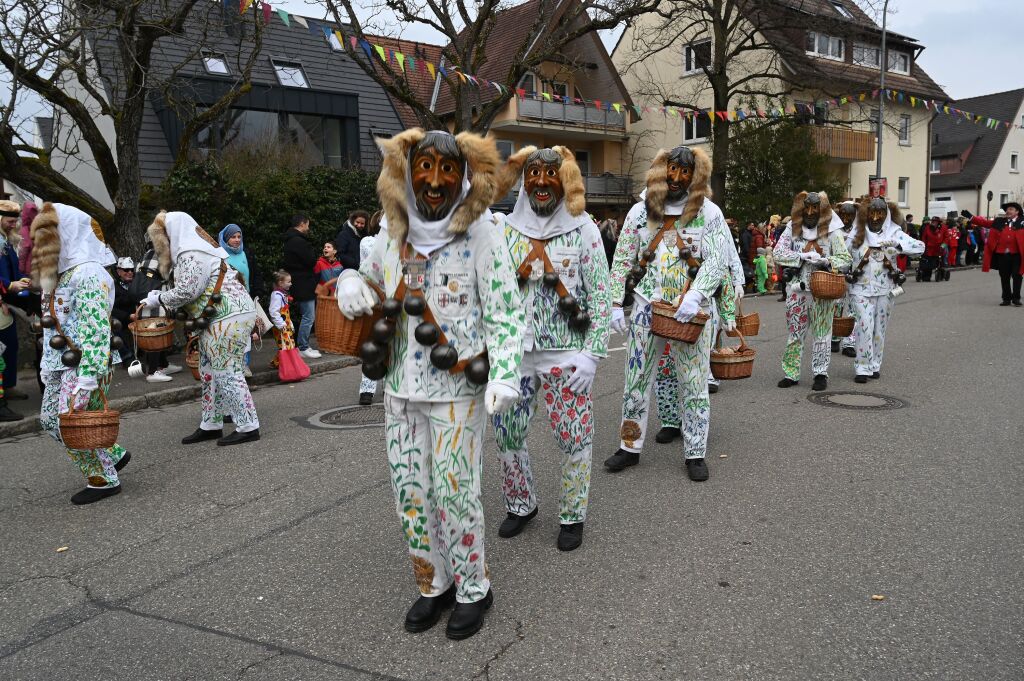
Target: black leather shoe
570, 537
365, 399
860, 379
426, 611
237, 438
621, 459
787, 383
90, 495
712, 388
1017, 303
1005, 303
514, 524
877, 374
820, 382
467, 618
668, 434
200, 435
124, 461
849, 352
697, 469
835, 345
6, 414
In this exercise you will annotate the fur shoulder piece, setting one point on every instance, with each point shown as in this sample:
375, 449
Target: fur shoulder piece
484, 161
512, 171
796, 214
392, 179
657, 187
45, 236
895, 214
161, 243
824, 214
572, 182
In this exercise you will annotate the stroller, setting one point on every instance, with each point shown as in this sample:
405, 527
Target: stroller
927, 264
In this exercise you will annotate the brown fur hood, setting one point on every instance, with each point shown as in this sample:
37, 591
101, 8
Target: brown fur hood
657, 188
824, 217
569, 172
45, 237
481, 157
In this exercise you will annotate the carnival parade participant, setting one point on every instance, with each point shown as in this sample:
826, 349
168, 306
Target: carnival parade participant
813, 240
566, 290
1004, 250
674, 230
12, 283
934, 237
68, 264
847, 212
874, 281
448, 348
209, 294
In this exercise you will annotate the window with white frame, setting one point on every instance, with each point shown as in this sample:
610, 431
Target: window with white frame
215, 64
559, 89
823, 45
528, 82
841, 8
290, 73
867, 55
935, 166
1014, 162
505, 148
904, 129
903, 193
577, 94
697, 128
1004, 198
899, 62
697, 57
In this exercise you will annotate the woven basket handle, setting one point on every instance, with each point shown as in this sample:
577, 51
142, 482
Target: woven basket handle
742, 347
103, 396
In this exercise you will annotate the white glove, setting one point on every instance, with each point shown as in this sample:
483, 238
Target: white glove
619, 320
810, 256
582, 379
499, 398
739, 291
730, 325
690, 306
85, 384
152, 299
355, 298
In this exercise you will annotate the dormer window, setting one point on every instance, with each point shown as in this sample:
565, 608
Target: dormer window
841, 8
215, 64
899, 62
866, 55
827, 46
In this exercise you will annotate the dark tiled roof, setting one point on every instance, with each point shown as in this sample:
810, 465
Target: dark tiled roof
947, 149
418, 78
952, 131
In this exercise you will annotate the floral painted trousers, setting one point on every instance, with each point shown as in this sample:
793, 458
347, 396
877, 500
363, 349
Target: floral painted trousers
692, 366
97, 465
803, 311
873, 314
571, 417
435, 453
847, 308
666, 390
222, 349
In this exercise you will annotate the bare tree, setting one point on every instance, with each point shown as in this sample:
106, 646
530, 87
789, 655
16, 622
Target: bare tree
91, 63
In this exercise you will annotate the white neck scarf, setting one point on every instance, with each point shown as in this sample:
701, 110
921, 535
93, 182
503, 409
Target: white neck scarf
428, 236
671, 207
78, 243
181, 231
887, 233
526, 220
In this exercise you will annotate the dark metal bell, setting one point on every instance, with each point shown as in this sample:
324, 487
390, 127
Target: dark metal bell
383, 330
638, 272
649, 255
181, 315
478, 370
427, 333
375, 372
116, 325
522, 279
550, 279
202, 323
691, 272
850, 278
47, 322
372, 352
71, 358
415, 306
444, 357
190, 325
803, 286
37, 327
58, 342
568, 305
627, 299
391, 307
116, 343
580, 321
209, 311
216, 298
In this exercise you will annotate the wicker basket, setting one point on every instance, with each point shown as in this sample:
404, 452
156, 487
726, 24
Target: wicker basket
192, 357
338, 335
828, 285
664, 324
733, 366
842, 326
152, 334
90, 429
746, 324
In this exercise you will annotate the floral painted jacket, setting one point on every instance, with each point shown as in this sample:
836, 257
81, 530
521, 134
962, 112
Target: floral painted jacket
788, 249
875, 279
471, 288
195, 277
82, 301
666, 275
578, 259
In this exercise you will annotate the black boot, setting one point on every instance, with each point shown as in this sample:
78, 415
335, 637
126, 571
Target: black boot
237, 438
621, 459
365, 399
820, 382
697, 469
712, 388
860, 379
849, 352
91, 495
6, 414
199, 435
570, 537
835, 345
668, 434
467, 618
877, 374
787, 383
426, 611
514, 524
125, 459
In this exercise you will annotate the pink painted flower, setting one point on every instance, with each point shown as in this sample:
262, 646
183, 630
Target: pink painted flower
474, 557
468, 539
581, 401
556, 372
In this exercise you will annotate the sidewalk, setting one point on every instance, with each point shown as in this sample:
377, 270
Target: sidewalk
131, 394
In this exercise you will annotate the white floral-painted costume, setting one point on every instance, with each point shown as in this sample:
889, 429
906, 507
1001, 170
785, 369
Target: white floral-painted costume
803, 311
572, 244
435, 419
366, 385
845, 306
873, 291
83, 297
197, 262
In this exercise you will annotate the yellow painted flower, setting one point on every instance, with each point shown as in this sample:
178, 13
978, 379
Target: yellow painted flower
453, 481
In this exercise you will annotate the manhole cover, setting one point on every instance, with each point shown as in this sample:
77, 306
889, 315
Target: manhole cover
348, 418
862, 401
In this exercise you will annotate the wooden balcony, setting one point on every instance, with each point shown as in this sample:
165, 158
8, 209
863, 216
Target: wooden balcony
843, 144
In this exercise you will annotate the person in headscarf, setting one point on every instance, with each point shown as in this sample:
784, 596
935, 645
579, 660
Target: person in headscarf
224, 321
68, 264
564, 279
239, 260
448, 348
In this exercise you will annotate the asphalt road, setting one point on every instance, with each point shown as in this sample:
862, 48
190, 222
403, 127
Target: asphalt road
283, 559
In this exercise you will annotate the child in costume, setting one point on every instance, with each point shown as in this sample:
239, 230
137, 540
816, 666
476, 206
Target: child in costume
813, 240
761, 270
217, 307
564, 278
68, 263
280, 317
448, 348
672, 243
875, 280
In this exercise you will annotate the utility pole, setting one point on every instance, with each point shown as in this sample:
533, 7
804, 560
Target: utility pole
884, 63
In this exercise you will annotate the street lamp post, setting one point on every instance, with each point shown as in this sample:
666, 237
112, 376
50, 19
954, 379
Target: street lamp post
883, 63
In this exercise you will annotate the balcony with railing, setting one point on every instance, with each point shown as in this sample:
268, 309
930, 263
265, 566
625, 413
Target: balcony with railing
601, 189
843, 144
579, 120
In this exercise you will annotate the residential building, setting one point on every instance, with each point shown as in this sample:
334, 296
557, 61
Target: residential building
808, 52
969, 160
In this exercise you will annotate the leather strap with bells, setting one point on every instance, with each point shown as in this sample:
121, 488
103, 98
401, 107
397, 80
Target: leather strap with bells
60, 330
539, 252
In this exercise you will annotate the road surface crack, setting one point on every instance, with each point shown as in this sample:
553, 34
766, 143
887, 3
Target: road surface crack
520, 635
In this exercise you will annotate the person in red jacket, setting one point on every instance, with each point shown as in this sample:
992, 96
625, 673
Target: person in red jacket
934, 237
952, 238
1003, 249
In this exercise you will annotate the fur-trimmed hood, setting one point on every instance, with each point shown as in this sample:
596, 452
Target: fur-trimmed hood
657, 188
573, 188
175, 233
64, 237
828, 221
890, 227
483, 164
570, 213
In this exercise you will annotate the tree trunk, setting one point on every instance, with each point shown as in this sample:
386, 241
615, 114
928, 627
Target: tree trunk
126, 235
720, 142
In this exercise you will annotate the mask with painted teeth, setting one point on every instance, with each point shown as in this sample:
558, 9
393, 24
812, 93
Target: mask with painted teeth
811, 209
877, 210
436, 180
847, 212
680, 172
543, 182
